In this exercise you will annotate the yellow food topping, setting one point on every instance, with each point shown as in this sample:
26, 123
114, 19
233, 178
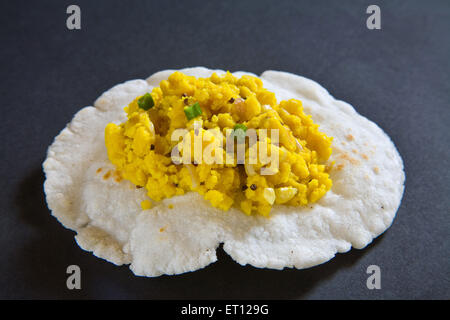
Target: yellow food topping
211, 110
146, 204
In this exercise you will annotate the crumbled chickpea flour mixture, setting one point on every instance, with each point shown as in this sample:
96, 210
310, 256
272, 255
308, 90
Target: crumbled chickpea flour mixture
141, 147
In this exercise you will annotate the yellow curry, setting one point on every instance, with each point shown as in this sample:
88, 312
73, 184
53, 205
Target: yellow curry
142, 147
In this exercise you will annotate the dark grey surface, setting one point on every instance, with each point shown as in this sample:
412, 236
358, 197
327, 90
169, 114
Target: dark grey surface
397, 77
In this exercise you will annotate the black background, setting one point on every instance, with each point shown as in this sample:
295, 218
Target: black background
397, 76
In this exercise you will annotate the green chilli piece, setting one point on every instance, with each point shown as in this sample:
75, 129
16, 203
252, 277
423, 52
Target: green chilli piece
239, 132
146, 102
240, 126
193, 111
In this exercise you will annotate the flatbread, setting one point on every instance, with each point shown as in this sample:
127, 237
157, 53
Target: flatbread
367, 189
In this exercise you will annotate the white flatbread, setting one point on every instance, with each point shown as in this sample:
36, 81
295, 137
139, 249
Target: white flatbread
367, 189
